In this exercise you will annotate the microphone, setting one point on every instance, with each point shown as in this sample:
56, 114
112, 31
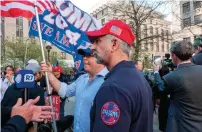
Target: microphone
25, 79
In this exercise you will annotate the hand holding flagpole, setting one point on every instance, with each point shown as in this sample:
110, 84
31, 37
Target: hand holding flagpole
46, 74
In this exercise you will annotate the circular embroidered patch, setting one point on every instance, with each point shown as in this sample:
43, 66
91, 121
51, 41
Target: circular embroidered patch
18, 78
110, 113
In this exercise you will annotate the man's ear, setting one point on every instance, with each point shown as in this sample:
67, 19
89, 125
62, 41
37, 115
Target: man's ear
115, 45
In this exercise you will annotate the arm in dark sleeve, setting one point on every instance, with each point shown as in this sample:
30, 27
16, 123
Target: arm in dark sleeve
112, 111
5, 115
15, 124
40, 92
161, 84
37, 91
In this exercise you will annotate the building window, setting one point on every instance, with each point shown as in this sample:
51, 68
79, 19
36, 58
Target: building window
55, 54
19, 27
186, 7
63, 55
188, 39
157, 40
162, 35
168, 47
105, 11
145, 30
150, 21
198, 19
151, 34
187, 22
162, 47
103, 21
2, 24
167, 36
99, 15
197, 4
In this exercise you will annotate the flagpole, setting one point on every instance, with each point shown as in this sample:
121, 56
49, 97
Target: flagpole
46, 74
25, 58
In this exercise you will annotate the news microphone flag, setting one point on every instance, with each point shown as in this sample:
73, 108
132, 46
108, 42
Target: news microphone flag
25, 79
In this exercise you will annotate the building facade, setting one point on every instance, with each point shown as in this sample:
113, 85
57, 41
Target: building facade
156, 47
19, 27
189, 16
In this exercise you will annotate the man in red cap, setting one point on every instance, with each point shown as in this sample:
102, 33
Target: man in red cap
124, 101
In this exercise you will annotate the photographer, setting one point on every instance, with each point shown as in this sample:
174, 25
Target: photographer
197, 58
185, 89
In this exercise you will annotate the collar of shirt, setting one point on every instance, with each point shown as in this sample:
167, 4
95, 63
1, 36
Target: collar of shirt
120, 65
102, 73
185, 64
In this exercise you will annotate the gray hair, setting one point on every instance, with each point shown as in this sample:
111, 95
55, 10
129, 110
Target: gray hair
123, 45
182, 49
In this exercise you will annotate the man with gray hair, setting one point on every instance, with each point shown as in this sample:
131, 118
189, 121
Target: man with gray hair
124, 101
185, 89
197, 58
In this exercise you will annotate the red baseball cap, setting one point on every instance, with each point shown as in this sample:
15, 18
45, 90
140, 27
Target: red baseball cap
57, 69
116, 28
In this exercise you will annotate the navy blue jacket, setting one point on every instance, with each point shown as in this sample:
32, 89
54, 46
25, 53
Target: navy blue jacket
197, 59
15, 124
124, 102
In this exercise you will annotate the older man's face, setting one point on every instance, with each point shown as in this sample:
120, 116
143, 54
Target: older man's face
101, 50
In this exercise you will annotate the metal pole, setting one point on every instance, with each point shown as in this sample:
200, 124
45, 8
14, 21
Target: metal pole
46, 74
49, 55
25, 58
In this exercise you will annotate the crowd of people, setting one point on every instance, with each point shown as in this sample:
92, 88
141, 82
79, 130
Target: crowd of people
112, 93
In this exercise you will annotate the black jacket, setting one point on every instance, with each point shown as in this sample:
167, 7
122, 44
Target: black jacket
15, 124
197, 59
13, 93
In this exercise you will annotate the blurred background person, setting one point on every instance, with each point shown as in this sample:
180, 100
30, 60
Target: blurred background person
58, 73
7, 80
162, 99
197, 58
17, 69
139, 65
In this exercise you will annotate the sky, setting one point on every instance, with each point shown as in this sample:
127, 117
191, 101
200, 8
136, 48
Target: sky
90, 5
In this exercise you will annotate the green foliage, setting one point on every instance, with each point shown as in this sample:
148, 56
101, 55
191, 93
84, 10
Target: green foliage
66, 69
15, 49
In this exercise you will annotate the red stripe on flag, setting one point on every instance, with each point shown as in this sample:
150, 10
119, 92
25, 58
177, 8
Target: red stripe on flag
16, 8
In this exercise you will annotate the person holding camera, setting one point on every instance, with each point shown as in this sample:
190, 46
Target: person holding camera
197, 58
185, 89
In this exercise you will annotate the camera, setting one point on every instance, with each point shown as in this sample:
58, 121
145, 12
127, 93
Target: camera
44, 127
168, 62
